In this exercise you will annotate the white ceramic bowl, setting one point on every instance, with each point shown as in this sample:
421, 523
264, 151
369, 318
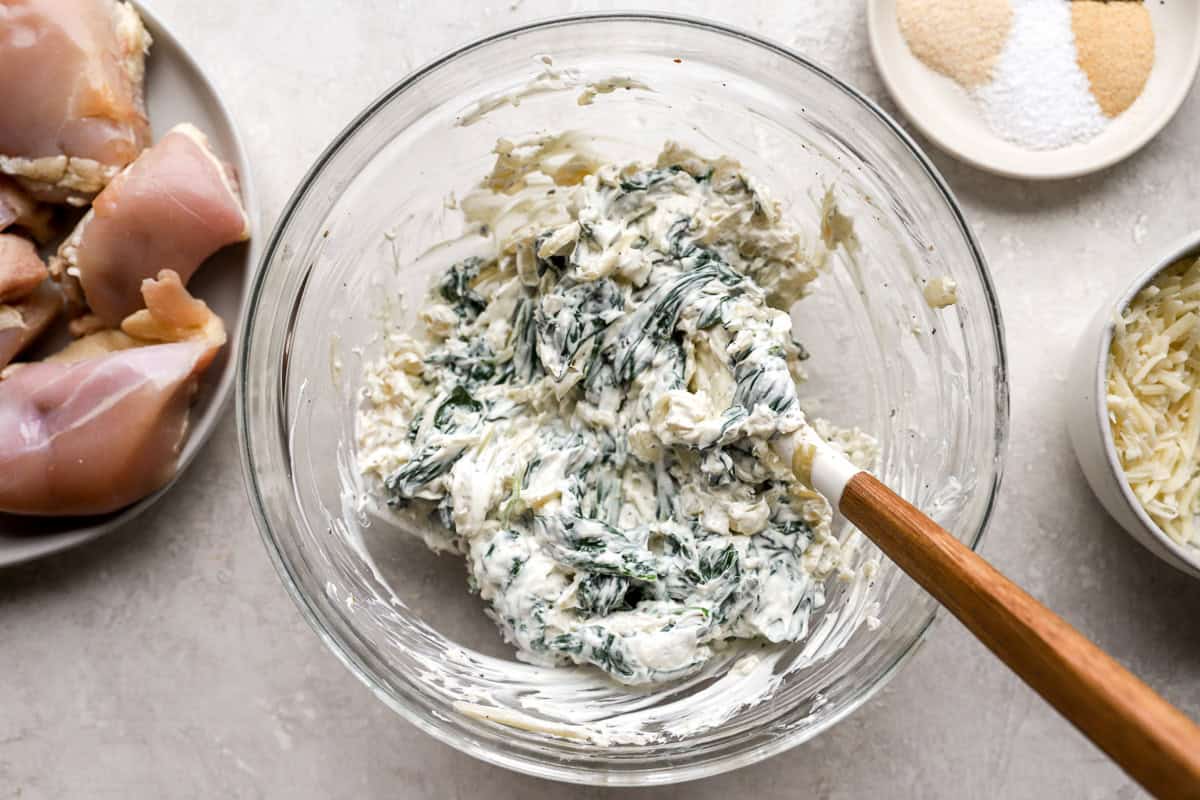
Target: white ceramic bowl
1087, 420
946, 114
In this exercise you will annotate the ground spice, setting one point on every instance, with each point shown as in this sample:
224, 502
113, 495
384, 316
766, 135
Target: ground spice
1115, 45
961, 39
1044, 74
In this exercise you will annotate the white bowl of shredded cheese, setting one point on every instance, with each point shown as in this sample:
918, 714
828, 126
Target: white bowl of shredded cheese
1136, 423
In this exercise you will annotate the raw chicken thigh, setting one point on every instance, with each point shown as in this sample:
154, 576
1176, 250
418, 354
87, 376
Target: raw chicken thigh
71, 92
18, 209
171, 209
21, 268
24, 320
29, 302
101, 424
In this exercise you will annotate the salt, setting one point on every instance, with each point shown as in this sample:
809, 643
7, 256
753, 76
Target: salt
1038, 97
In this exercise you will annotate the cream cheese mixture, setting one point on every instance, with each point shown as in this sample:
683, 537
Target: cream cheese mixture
585, 412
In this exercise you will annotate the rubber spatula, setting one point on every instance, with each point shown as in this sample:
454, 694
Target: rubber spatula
1148, 737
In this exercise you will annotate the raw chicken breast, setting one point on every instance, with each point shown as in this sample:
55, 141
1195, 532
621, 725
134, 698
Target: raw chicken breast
18, 209
71, 92
171, 209
25, 320
92, 433
21, 268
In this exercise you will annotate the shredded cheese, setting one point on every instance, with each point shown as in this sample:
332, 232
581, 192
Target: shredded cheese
1153, 405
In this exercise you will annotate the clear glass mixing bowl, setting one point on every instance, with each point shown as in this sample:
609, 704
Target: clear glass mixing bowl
352, 251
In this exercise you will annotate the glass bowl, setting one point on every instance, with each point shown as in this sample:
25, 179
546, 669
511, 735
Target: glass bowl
354, 252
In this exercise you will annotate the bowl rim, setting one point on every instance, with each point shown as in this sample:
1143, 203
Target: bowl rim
1184, 247
450, 731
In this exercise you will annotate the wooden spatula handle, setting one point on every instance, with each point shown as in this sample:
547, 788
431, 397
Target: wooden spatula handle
1148, 737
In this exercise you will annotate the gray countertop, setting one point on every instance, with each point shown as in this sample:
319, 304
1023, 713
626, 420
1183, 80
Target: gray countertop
167, 660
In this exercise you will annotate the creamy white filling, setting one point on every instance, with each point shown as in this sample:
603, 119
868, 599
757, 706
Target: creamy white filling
586, 414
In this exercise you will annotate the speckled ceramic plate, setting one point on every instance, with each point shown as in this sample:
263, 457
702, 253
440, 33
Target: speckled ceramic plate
176, 91
943, 112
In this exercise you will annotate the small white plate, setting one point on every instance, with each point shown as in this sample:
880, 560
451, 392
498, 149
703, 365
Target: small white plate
942, 111
176, 91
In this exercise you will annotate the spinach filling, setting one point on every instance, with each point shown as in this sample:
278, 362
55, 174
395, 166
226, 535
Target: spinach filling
596, 540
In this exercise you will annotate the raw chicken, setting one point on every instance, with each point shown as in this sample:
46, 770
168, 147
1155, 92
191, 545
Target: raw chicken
18, 209
71, 92
171, 209
25, 320
171, 315
89, 433
97, 435
21, 268
29, 302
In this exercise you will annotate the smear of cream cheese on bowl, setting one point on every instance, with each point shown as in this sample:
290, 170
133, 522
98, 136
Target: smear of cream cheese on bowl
550, 79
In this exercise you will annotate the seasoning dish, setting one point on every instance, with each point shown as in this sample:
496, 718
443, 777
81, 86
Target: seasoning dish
1088, 419
176, 92
376, 217
944, 112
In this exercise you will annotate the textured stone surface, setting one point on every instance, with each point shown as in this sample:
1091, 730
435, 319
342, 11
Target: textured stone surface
168, 661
